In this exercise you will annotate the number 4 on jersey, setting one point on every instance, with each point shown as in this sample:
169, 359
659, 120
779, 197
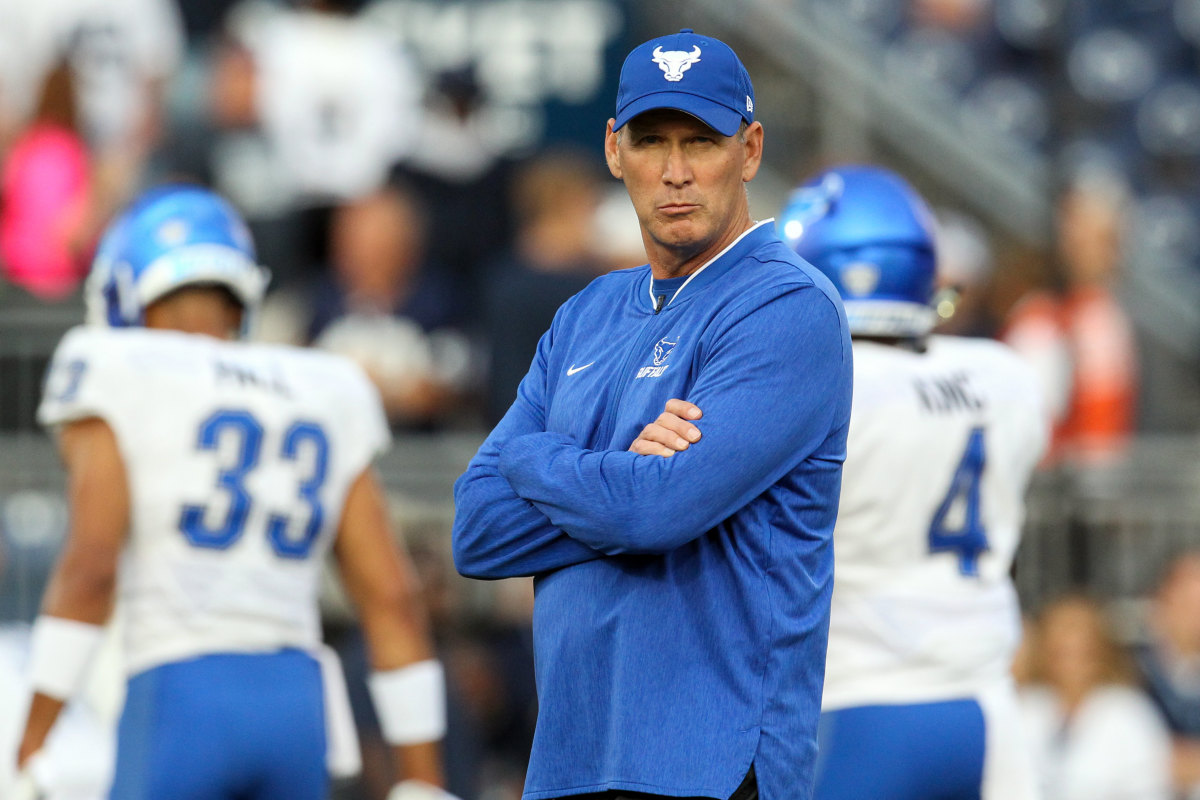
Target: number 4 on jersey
970, 539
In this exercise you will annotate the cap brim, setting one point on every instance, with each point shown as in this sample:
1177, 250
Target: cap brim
724, 121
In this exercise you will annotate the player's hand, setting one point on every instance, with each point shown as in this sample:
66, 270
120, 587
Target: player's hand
671, 433
27, 785
418, 790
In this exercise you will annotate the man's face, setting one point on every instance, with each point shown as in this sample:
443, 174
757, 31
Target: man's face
685, 179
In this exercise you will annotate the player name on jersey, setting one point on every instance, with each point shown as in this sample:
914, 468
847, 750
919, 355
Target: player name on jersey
947, 394
248, 377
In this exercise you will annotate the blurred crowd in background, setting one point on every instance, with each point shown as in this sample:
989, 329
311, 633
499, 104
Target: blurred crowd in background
400, 205
425, 182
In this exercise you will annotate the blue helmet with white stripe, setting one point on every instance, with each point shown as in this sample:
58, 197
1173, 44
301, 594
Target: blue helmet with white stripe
168, 238
873, 236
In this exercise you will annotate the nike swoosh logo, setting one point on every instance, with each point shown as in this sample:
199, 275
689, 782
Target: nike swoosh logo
573, 369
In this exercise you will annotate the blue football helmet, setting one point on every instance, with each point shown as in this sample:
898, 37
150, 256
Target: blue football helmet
170, 237
873, 237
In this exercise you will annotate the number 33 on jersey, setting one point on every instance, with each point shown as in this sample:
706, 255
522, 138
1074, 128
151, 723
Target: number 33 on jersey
249, 450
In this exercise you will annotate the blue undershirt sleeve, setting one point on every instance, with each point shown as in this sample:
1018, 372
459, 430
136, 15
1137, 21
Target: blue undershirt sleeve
772, 388
498, 534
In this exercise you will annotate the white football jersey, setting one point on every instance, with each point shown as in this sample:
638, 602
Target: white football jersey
940, 451
239, 458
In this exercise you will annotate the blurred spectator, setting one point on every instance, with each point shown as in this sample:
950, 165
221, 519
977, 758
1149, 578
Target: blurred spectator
459, 167
121, 54
45, 192
1026, 300
314, 106
1086, 321
385, 306
1169, 662
1093, 735
455, 142
1101, 411
555, 200
337, 98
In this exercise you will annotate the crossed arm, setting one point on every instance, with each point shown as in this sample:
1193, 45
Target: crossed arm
534, 500
498, 534
538, 545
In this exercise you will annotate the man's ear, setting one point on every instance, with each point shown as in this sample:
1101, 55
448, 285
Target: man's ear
610, 150
754, 151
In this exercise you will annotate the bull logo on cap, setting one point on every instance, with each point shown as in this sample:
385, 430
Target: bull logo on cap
675, 62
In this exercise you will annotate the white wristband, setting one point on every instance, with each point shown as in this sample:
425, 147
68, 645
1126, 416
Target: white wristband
410, 702
32, 779
418, 790
61, 651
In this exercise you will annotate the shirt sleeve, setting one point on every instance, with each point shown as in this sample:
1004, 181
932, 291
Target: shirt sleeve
80, 382
498, 534
774, 386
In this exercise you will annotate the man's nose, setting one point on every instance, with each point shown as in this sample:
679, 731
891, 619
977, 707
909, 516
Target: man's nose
677, 170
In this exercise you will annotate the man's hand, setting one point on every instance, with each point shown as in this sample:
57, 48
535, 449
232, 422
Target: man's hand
670, 433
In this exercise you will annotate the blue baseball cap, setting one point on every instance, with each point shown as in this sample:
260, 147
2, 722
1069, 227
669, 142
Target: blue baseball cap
688, 72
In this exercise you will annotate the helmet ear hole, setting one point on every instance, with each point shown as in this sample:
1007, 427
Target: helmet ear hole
126, 294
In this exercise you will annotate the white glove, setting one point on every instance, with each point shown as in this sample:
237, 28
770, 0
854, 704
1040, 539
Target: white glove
418, 790
27, 786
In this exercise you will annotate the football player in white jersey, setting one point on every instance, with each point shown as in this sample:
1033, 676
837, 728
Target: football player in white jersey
207, 480
944, 435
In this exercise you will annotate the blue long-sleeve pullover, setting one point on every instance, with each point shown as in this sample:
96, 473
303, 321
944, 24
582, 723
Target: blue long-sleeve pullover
682, 604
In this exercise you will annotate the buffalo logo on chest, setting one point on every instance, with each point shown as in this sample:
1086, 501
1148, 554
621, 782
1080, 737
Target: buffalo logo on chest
662, 351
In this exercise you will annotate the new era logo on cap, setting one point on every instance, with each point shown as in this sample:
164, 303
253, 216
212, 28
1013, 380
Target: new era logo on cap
696, 74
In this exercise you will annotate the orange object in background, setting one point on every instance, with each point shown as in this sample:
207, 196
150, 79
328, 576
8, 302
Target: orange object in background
1082, 348
1076, 334
1100, 409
